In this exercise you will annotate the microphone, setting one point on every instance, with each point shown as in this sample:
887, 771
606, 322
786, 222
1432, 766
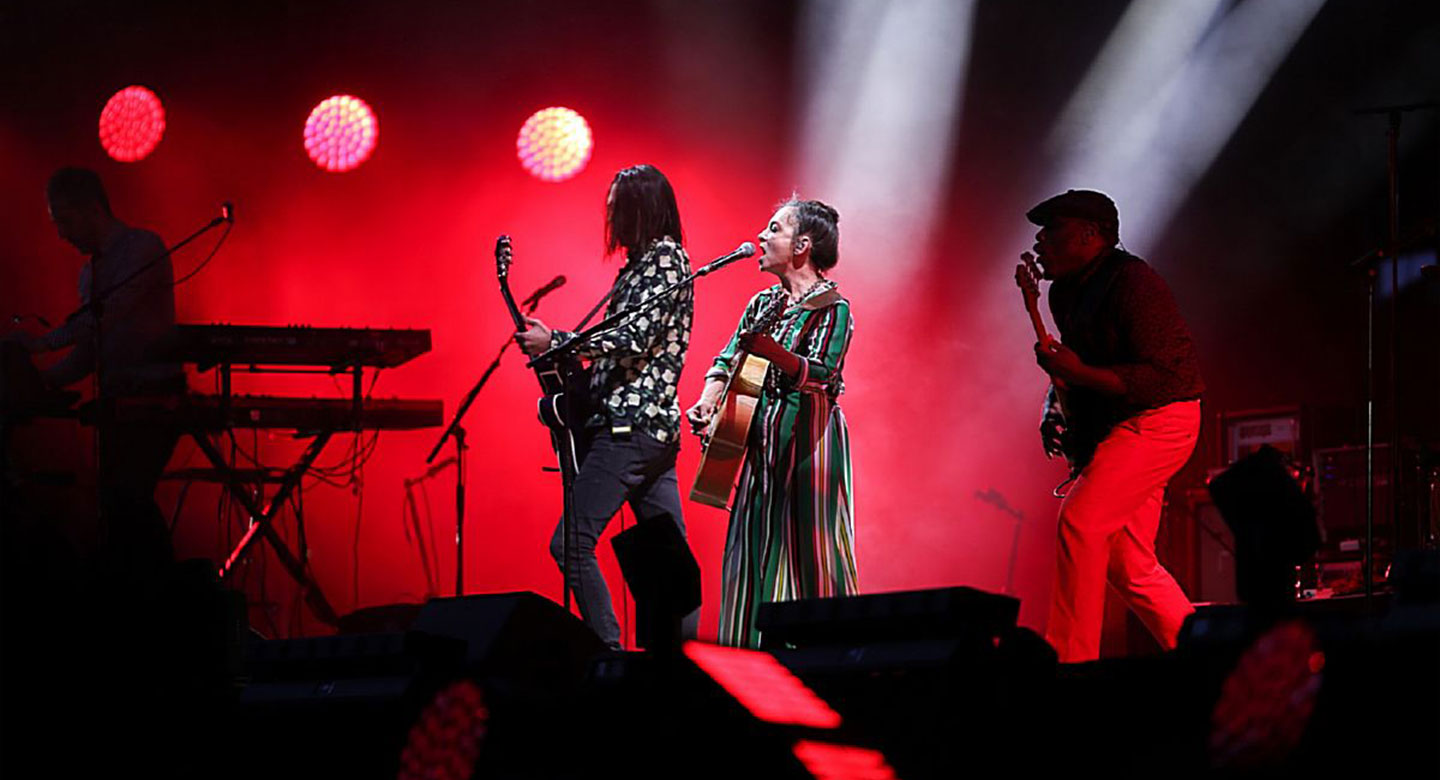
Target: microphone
227, 212
19, 319
554, 285
745, 250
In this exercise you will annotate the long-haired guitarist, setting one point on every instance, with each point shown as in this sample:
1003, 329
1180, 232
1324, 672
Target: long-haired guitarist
630, 442
792, 526
1131, 387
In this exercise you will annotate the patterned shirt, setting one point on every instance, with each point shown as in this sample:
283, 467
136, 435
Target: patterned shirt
636, 365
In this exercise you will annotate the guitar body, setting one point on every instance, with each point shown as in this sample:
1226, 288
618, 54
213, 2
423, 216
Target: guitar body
723, 445
566, 387
729, 430
1085, 428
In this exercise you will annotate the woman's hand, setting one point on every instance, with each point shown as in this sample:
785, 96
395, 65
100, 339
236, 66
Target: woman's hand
765, 346
703, 411
762, 345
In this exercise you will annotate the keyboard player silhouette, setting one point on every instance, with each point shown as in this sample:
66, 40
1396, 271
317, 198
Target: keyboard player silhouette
126, 315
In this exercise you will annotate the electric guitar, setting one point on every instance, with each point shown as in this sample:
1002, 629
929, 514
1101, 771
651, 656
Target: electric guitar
723, 443
1086, 417
565, 384
1076, 447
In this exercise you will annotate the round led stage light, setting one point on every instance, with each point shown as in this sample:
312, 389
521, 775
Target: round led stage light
131, 124
554, 144
341, 133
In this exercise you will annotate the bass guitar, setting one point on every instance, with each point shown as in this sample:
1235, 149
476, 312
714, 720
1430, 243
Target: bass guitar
1081, 411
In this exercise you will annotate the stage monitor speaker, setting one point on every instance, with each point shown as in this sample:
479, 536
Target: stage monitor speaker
340, 706
513, 634
664, 578
521, 632
1273, 523
942, 613
334, 706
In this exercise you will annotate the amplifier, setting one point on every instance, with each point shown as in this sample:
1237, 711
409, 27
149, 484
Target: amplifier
1340, 495
1247, 431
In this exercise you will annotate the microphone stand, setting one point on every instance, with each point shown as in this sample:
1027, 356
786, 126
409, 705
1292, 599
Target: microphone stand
456, 431
1392, 249
585, 336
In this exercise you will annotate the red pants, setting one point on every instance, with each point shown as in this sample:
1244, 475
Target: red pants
1108, 523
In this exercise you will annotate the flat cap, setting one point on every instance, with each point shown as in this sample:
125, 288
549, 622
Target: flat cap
1078, 204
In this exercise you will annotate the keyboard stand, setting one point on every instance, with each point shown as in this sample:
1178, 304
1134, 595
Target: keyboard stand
262, 517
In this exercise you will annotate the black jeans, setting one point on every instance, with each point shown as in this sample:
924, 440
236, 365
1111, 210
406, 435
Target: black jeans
639, 470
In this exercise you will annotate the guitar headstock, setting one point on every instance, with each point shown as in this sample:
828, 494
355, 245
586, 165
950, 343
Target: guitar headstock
1027, 278
503, 257
770, 315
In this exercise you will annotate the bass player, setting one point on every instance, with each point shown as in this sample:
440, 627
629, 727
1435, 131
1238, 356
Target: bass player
1132, 387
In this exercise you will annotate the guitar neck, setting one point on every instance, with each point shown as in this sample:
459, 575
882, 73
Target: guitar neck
510, 304
1041, 335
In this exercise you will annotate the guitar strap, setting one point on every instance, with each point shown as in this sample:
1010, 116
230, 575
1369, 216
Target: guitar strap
619, 281
817, 304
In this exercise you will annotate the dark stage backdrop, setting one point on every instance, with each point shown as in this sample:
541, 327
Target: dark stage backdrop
943, 392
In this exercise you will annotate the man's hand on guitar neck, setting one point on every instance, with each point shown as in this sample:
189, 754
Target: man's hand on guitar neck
534, 339
1067, 369
1058, 360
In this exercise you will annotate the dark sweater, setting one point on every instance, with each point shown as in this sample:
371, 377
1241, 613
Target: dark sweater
1119, 314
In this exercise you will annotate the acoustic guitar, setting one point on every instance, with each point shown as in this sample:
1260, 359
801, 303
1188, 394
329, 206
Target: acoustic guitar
723, 443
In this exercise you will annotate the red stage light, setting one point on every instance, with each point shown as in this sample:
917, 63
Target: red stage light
446, 738
1267, 700
131, 124
842, 762
765, 688
341, 133
554, 144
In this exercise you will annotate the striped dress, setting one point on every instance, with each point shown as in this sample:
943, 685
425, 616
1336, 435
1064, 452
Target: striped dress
792, 526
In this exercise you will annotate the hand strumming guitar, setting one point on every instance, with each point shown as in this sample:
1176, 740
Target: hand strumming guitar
534, 339
758, 344
1052, 435
703, 411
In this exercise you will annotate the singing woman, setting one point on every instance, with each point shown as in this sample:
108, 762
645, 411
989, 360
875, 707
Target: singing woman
792, 526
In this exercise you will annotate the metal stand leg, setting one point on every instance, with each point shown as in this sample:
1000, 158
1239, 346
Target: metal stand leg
261, 520
460, 447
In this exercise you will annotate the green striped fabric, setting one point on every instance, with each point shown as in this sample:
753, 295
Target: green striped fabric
792, 525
